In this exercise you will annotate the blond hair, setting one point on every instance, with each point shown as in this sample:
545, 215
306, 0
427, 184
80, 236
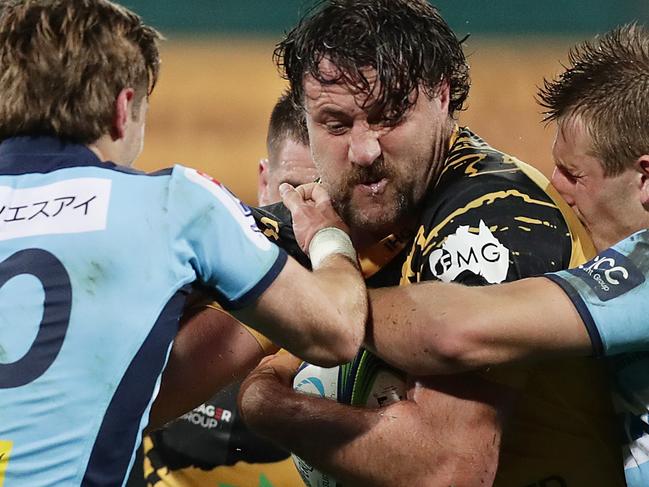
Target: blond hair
607, 83
63, 63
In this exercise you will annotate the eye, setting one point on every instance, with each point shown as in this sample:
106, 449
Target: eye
388, 117
335, 127
572, 178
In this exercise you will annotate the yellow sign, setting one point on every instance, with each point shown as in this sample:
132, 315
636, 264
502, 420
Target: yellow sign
5, 451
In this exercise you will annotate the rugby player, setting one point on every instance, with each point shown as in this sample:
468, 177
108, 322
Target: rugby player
380, 82
601, 149
289, 156
211, 445
96, 258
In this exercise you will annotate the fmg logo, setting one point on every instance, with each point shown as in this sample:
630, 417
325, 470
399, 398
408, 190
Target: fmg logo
480, 253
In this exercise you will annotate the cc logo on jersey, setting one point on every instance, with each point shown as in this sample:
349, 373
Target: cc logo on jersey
56, 314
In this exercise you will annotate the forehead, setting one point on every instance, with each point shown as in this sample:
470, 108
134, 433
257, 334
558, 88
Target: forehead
296, 170
573, 146
316, 92
572, 136
291, 152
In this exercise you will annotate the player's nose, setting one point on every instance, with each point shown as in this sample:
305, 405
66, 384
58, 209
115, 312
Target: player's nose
364, 146
562, 185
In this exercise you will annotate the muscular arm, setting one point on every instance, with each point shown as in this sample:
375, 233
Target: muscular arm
446, 433
463, 327
211, 351
319, 316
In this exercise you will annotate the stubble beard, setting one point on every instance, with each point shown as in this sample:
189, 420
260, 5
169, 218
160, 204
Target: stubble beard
377, 215
380, 218
390, 211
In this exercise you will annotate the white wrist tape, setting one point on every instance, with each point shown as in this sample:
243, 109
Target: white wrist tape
328, 241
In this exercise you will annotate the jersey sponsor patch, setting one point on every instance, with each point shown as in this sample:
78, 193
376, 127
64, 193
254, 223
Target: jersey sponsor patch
209, 416
5, 451
239, 211
71, 206
609, 275
481, 253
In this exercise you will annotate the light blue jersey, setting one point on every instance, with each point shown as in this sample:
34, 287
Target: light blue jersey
95, 261
611, 294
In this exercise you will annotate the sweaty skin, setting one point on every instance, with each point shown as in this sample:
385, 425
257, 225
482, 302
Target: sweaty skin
368, 168
529, 319
355, 444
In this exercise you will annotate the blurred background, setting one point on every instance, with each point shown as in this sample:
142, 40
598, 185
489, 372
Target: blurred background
218, 84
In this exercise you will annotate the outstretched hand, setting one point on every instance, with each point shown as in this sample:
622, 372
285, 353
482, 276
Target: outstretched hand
311, 209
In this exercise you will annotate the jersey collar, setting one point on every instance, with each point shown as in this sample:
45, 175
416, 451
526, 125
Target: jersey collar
374, 258
42, 154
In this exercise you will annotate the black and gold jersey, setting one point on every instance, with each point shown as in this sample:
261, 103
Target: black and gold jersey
276, 223
211, 445
490, 219
487, 221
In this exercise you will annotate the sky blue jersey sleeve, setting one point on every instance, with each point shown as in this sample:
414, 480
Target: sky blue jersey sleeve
217, 235
611, 294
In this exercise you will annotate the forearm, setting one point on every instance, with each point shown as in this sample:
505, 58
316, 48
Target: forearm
324, 433
211, 351
399, 329
396, 445
319, 316
348, 305
329, 306
434, 328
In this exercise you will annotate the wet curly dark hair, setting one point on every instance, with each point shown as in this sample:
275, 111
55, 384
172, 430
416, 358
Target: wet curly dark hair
407, 42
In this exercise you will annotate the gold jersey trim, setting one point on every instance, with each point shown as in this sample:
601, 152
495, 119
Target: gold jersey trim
374, 258
266, 345
5, 453
582, 245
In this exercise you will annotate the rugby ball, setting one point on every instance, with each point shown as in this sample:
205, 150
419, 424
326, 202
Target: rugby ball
367, 381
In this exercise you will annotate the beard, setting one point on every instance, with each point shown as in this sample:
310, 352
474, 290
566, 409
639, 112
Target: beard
374, 213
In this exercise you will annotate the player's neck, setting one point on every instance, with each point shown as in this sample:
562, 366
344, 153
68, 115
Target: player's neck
98, 152
108, 148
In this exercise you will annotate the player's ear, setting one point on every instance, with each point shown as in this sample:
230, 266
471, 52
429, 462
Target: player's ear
444, 94
642, 165
121, 115
262, 182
